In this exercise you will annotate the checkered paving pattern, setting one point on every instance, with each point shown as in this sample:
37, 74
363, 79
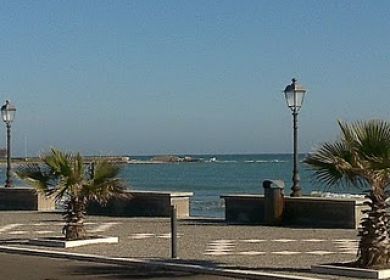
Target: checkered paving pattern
212, 248
220, 247
232, 247
49, 228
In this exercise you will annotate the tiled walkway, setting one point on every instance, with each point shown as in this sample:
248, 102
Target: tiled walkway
217, 248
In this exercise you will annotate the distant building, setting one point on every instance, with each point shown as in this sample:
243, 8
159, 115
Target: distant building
3, 152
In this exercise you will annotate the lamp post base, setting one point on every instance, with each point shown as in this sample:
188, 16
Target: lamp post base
296, 192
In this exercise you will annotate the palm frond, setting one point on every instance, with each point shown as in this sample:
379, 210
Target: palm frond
373, 138
104, 170
348, 136
361, 156
104, 191
58, 162
332, 164
63, 175
41, 178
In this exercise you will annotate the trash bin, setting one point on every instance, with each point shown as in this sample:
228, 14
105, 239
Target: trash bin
273, 201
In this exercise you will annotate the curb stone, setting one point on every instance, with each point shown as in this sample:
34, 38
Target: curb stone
157, 264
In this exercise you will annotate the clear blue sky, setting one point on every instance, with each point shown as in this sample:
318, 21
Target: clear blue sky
160, 77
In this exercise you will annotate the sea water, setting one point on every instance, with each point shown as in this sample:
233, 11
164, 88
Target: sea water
216, 175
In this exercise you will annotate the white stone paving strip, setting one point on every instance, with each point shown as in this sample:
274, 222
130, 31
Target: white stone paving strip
253, 240
43, 231
103, 227
345, 240
9, 227
320, 253
141, 235
347, 246
168, 235
56, 224
286, 253
18, 232
220, 247
216, 253
251, 253
165, 235
149, 235
222, 241
349, 252
44, 224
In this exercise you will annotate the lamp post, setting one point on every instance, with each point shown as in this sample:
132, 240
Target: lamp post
294, 94
8, 114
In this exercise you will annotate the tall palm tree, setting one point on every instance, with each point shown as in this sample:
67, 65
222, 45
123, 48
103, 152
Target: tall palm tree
361, 157
64, 176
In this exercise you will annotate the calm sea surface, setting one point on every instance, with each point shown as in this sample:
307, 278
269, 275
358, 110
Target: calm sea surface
225, 174
215, 175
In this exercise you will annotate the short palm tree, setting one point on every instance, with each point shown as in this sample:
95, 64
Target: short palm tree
66, 177
361, 157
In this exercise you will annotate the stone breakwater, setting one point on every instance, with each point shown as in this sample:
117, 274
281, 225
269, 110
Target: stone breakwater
87, 159
116, 159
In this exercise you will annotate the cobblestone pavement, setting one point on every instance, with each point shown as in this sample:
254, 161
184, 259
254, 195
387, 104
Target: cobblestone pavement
291, 250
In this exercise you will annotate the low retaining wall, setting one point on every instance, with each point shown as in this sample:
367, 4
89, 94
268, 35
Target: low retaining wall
27, 199
145, 204
245, 208
298, 211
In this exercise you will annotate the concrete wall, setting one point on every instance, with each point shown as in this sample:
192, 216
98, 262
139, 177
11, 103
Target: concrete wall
145, 204
298, 211
323, 212
247, 209
24, 199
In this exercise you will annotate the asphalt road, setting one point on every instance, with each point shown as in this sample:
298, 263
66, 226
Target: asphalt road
19, 267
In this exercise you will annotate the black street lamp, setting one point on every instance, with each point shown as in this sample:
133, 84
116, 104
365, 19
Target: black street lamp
294, 94
8, 114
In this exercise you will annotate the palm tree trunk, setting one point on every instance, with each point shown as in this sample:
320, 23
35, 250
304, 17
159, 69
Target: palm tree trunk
374, 236
74, 216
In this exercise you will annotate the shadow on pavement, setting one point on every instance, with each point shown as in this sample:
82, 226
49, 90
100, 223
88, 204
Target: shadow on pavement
121, 272
137, 272
272, 269
203, 221
13, 241
207, 263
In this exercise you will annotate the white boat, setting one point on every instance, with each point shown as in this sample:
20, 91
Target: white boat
213, 159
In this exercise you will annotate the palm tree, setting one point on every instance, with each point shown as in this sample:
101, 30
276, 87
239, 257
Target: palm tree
361, 157
64, 176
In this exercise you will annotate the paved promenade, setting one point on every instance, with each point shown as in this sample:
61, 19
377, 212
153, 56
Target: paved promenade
269, 249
